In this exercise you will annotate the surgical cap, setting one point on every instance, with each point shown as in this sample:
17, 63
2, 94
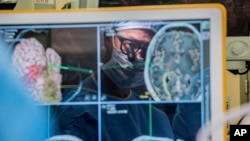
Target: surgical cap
124, 25
136, 25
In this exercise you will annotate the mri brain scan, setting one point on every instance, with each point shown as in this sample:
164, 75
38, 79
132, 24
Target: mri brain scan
173, 63
35, 66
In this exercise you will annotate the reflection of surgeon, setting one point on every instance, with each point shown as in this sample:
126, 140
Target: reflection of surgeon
126, 44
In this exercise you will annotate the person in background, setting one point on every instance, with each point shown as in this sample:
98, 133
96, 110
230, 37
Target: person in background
123, 67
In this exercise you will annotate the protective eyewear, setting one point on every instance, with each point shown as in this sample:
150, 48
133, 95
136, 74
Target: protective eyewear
130, 47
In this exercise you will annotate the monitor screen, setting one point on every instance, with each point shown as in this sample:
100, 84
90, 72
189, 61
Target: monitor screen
116, 80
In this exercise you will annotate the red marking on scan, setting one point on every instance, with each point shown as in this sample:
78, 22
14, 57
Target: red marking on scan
169, 65
34, 71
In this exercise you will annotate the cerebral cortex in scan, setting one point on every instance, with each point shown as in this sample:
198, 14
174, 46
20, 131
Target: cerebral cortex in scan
34, 65
173, 59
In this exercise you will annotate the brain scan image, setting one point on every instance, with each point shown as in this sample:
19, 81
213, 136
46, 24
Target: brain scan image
33, 64
173, 65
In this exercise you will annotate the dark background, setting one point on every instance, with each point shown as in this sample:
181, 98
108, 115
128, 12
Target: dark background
238, 11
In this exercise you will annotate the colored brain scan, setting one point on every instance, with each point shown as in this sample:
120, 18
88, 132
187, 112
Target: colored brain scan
173, 63
35, 65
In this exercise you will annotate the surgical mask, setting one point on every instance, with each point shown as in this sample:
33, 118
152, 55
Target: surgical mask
122, 72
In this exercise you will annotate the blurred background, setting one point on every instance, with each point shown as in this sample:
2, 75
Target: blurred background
238, 10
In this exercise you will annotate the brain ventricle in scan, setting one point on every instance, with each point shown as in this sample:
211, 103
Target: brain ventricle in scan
173, 63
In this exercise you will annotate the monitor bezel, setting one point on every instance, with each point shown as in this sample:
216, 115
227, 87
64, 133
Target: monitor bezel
216, 13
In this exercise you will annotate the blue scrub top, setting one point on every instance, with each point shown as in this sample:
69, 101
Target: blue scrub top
118, 122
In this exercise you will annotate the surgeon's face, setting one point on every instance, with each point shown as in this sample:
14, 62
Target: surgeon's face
133, 41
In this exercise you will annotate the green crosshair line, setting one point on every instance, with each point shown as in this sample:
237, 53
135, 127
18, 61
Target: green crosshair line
69, 68
89, 71
150, 120
118, 66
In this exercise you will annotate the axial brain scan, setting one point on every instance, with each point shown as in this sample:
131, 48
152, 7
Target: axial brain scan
173, 63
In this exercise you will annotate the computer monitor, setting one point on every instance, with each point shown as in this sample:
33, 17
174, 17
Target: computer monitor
126, 73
